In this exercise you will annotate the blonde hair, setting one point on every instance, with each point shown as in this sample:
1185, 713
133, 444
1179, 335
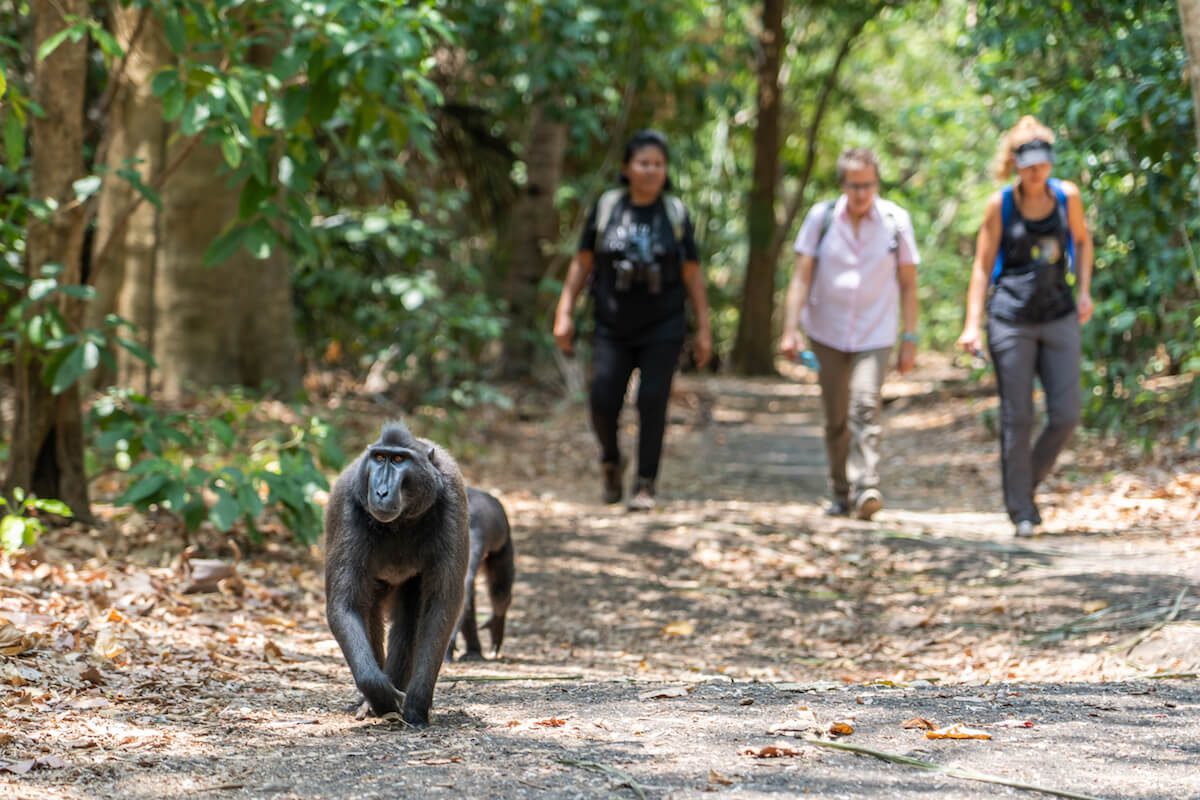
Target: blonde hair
1026, 130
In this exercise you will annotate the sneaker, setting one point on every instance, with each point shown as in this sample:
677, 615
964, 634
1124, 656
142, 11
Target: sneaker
1025, 528
868, 504
838, 508
643, 496
612, 482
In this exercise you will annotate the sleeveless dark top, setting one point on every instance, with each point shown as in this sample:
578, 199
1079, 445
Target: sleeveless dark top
636, 314
1032, 286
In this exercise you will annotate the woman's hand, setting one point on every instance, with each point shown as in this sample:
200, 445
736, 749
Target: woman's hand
971, 340
564, 333
703, 348
908, 357
791, 344
1085, 305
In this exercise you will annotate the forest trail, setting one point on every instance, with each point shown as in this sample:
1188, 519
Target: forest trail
646, 654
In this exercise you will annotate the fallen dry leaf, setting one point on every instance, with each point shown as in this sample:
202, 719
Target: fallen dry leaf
552, 722
919, 723
12, 641
957, 731
1013, 723
717, 779
841, 728
92, 676
679, 628
769, 751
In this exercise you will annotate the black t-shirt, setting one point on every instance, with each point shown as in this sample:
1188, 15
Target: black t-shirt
1032, 286
635, 255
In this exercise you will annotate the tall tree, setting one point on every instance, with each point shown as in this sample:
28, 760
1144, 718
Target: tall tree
752, 353
46, 455
532, 235
127, 228
1189, 15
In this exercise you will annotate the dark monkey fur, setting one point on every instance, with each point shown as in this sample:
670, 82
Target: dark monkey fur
492, 549
396, 549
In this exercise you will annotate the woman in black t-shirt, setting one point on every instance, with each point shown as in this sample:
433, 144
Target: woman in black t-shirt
1024, 248
639, 250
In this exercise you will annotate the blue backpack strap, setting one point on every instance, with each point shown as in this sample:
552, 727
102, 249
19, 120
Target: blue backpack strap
1006, 215
1065, 218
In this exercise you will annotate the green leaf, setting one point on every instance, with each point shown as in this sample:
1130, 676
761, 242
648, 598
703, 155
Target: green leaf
139, 352
231, 152
70, 369
195, 114
145, 489
224, 246
174, 29
173, 101
14, 142
108, 45
12, 533
226, 511
51, 44
295, 105
254, 194
51, 506
164, 81
260, 238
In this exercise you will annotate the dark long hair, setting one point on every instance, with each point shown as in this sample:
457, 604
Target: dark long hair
646, 138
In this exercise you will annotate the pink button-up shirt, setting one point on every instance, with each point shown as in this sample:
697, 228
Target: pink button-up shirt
854, 298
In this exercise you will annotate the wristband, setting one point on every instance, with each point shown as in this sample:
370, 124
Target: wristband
909, 337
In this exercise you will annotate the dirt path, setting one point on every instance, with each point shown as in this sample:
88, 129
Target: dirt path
647, 653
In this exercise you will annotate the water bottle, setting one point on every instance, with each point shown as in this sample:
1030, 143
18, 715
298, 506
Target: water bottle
808, 358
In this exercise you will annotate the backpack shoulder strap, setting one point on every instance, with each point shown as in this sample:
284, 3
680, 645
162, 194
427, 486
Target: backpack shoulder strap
676, 214
605, 207
826, 220
1065, 219
1007, 209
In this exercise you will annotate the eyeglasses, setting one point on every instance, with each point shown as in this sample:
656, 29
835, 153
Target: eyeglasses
865, 186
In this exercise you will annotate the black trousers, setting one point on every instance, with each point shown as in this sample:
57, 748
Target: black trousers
613, 363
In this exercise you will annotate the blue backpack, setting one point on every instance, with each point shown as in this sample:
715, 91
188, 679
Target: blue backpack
1008, 208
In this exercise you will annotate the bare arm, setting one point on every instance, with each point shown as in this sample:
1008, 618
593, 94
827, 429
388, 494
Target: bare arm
792, 340
906, 275
693, 279
986, 246
564, 314
1084, 250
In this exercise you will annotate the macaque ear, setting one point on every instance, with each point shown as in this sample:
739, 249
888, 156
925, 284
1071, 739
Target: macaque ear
431, 451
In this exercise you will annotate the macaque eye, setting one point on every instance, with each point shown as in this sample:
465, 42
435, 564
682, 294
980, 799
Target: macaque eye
399, 458
380, 458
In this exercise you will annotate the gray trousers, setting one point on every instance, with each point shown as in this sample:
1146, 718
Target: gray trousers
850, 388
1020, 350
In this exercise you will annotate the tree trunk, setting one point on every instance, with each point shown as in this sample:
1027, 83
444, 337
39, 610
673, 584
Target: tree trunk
753, 352
225, 325
533, 228
1189, 15
796, 199
46, 455
127, 234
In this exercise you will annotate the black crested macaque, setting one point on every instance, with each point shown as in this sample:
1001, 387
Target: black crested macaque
396, 547
491, 548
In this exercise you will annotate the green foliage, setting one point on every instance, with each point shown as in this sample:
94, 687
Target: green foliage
20, 527
374, 294
1105, 75
290, 90
197, 466
35, 320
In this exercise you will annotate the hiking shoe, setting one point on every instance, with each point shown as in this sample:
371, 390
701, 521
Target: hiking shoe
1025, 529
612, 482
643, 496
868, 504
838, 508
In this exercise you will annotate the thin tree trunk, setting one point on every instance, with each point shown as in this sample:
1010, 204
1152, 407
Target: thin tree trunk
225, 325
753, 352
125, 269
796, 200
46, 455
1189, 15
533, 228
